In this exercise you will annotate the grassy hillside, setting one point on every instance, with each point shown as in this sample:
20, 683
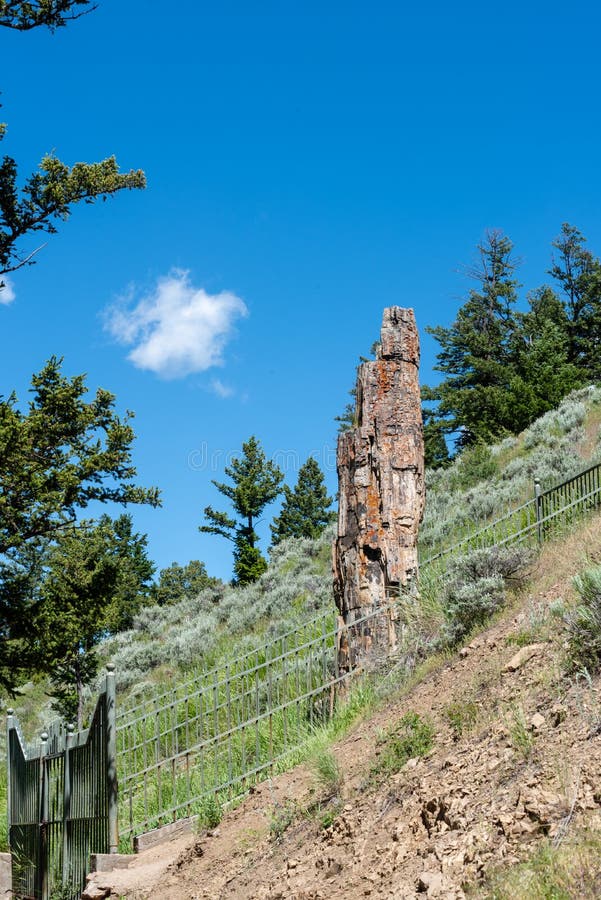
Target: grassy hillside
485, 482
476, 776
198, 632
169, 644
177, 641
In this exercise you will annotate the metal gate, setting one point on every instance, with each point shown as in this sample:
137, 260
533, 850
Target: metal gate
62, 802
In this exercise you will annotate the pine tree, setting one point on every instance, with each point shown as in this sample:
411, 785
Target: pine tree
474, 399
135, 571
176, 582
59, 456
46, 197
306, 509
256, 482
92, 579
23, 15
436, 452
541, 346
578, 272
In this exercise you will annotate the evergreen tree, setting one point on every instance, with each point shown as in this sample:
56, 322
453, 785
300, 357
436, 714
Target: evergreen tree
134, 570
177, 582
578, 272
474, 399
256, 482
436, 452
71, 617
541, 346
57, 457
306, 509
46, 197
95, 578
249, 562
23, 15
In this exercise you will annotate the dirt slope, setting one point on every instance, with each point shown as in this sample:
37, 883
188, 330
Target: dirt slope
529, 765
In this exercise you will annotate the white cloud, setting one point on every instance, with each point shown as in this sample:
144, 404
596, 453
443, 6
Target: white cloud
7, 293
221, 389
177, 329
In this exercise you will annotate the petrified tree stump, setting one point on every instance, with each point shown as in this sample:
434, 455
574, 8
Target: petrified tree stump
380, 464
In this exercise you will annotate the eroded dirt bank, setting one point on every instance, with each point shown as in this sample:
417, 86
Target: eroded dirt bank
527, 764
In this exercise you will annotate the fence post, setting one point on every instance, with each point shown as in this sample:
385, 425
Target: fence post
67, 804
9, 727
42, 873
111, 758
539, 512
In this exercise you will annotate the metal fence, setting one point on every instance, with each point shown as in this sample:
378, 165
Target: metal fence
205, 741
62, 801
220, 733
217, 734
558, 507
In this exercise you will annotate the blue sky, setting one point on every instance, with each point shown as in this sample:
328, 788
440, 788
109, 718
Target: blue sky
308, 164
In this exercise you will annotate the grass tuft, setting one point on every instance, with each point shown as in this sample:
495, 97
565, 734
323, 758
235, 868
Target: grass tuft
411, 737
570, 871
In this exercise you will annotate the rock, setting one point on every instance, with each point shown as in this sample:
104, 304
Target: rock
557, 715
334, 868
94, 891
537, 722
430, 883
465, 651
380, 465
522, 656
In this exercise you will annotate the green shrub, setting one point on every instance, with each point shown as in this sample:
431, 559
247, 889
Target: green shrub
328, 772
411, 737
476, 464
475, 589
584, 624
209, 812
571, 870
469, 605
458, 501
461, 716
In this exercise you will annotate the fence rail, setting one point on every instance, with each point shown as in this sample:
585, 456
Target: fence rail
177, 752
538, 518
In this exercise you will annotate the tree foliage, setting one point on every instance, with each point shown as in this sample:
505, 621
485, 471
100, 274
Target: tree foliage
177, 582
23, 16
306, 509
476, 349
57, 457
47, 196
255, 482
96, 576
578, 274
503, 368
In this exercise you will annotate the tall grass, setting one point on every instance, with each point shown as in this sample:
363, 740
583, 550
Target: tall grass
566, 872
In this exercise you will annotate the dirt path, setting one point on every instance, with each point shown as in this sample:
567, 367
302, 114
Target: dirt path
529, 764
